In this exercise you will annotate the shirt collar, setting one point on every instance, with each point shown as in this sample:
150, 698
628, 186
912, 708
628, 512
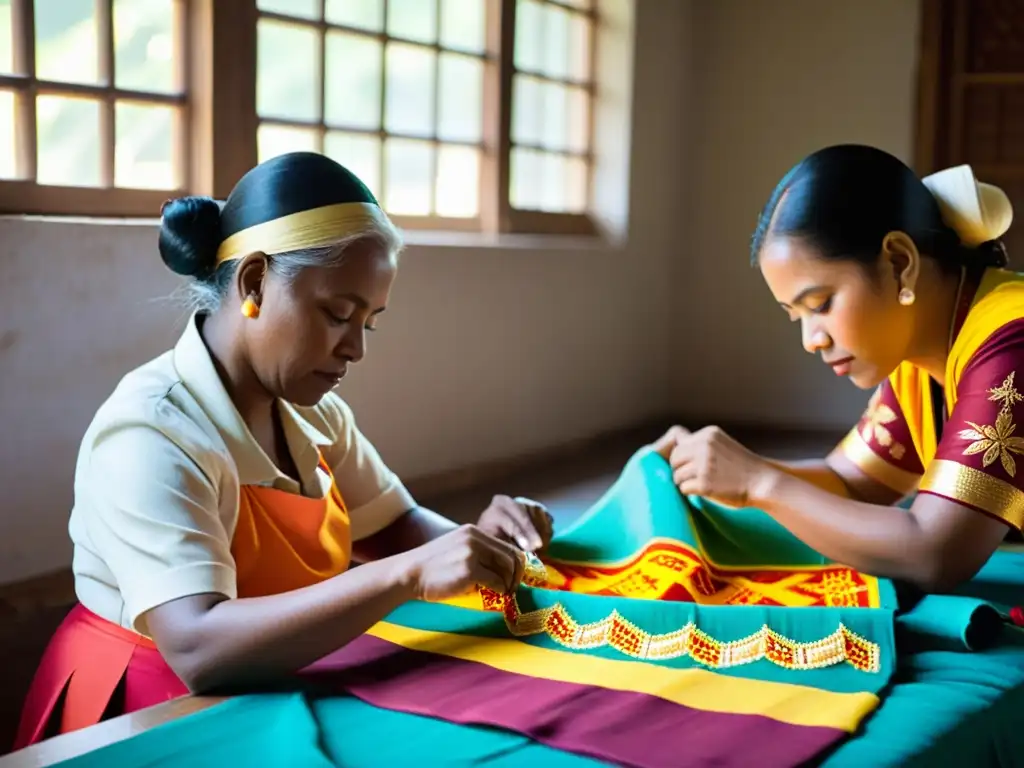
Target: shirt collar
196, 369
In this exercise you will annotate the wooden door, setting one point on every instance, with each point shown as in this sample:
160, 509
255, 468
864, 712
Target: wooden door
971, 97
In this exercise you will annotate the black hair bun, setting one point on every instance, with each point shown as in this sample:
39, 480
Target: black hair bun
190, 234
993, 254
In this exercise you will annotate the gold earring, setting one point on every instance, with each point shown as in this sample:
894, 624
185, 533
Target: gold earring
906, 297
250, 308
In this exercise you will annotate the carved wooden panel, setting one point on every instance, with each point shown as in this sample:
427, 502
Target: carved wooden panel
971, 96
993, 129
995, 36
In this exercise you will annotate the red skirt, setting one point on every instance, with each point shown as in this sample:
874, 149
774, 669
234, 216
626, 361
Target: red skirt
88, 660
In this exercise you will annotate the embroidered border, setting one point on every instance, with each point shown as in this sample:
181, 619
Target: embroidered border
615, 631
874, 466
975, 488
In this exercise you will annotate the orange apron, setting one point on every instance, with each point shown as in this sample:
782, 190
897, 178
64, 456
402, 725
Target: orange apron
94, 669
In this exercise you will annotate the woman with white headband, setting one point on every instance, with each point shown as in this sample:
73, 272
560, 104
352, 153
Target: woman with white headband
223, 489
898, 283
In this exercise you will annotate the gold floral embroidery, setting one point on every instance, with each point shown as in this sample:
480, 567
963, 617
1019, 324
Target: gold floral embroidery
997, 440
1007, 393
874, 426
615, 631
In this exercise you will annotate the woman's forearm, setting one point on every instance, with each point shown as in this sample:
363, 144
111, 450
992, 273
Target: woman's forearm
413, 529
212, 642
880, 540
817, 472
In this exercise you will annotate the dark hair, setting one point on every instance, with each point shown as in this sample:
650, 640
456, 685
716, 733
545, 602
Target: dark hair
192, 228
843, 200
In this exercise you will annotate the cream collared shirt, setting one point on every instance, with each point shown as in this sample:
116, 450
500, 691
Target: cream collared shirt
158, 476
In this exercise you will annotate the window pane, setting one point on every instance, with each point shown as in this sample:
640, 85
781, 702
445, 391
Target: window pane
68, 143
462, 97
579, 49
527, 110
287, 71
556, 41
525, 181
8, 137
409, 176
544, 181
553, 183
584, 5
363, 14
529, 46
578, 138
577, 186
556, 116
352, 96
303, 9
462, 24
66, 43
458, 181
413, 19
144, 148
6, 41
144, 45
274, 140
359, 153
409, 92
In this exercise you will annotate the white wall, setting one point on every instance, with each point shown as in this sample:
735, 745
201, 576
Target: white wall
488, 351
773, 82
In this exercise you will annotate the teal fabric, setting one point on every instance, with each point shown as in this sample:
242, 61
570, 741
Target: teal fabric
950, 622
357, 735
272, 731
941, 703
289, 731
951, 707
645, 504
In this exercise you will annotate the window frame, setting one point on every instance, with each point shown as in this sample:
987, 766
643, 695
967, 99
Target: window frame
217, 142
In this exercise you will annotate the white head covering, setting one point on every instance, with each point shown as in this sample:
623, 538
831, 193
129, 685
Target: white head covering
976, 211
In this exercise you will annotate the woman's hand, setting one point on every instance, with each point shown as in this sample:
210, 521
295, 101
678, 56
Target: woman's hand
526, 523
709, 463
459, 561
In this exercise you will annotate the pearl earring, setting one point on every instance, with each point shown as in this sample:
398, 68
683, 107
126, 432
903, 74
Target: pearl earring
906, 297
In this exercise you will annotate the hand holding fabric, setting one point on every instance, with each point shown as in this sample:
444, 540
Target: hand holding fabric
461, 560
712, 464
524, 522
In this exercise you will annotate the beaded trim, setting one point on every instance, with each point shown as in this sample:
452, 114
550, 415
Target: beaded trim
556, 622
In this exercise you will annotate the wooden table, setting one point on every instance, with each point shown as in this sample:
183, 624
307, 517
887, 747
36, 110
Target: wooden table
78, 743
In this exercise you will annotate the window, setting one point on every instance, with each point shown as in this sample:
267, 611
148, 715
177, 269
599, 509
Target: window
458, 114
92, 105
550, 108
392, 90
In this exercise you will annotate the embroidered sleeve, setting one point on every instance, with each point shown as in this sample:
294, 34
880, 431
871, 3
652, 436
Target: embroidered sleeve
880, 445
978, 462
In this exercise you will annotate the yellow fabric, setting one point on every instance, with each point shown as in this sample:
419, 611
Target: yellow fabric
998, 301
306, 229
694, 688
